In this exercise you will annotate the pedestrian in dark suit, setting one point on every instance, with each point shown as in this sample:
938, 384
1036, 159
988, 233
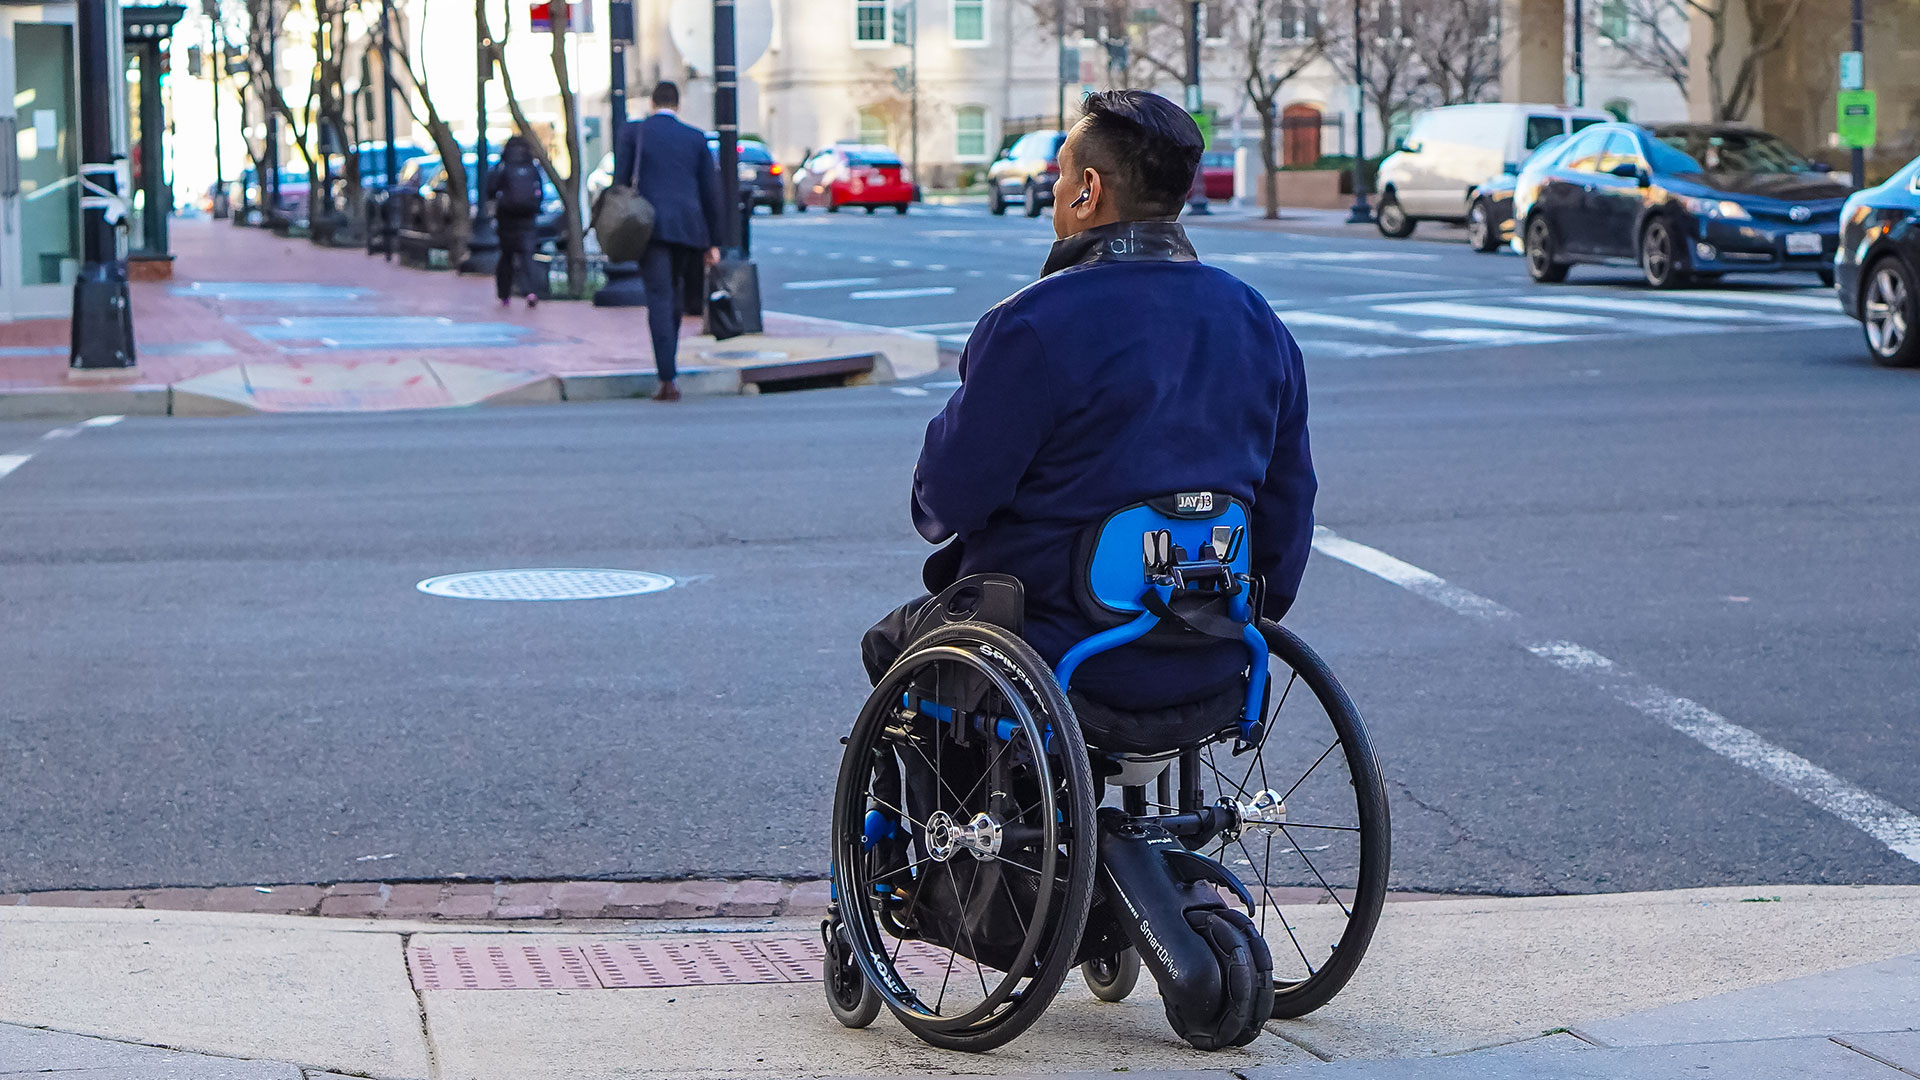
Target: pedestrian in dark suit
516, 187
674, 171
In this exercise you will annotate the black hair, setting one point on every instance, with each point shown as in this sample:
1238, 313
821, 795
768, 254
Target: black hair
666, 95
1147, 143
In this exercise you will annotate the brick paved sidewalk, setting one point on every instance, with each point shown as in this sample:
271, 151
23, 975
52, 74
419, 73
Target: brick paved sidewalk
280, 324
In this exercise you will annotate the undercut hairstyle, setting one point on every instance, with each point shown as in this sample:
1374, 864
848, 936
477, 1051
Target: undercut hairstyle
1146, 147
666, 95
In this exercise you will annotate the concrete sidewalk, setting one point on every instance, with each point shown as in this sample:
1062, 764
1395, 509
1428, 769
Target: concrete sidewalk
253, 322
1791, 981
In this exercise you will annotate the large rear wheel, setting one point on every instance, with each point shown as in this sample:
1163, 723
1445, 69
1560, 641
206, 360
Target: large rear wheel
1543, 263
963, 837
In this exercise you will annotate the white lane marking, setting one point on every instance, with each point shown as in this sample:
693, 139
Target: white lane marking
1666, 309
10, 462
101, 421
975, 273
909, 391
935, 267
950, 384
1828, 303
1019, 277
831, 283
835, 255
1338, 322
71, 430
901, 263
1890, 824
1343, 350
1474, 335
901, 294
67, 432
939, 327
1447, 309
865, 258
1488, 335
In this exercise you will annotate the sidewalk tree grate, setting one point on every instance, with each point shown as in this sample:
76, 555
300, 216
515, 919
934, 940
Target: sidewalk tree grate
651, 964
500, 967
545, 584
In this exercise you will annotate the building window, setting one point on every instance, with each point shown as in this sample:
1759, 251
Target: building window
1093, 22
1298, 20
870, 22
970, 133
970, 22
1614, 23
873, 127
1213, 18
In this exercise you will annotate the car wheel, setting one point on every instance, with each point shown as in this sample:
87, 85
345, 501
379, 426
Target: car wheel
900, 209
1660, 257
1541, 264
996, 200
1826, 277
871, 209
778, 206
1890, 313
832, 207
1392, 220
1481, 234
1030, 199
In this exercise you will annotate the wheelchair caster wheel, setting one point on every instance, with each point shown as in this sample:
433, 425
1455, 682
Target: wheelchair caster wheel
1112, 978
850, 997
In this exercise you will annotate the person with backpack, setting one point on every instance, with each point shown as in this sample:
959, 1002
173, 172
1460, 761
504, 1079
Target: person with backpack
516, 187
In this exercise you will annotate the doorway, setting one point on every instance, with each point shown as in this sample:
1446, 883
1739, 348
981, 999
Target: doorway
1299, 135
39, 163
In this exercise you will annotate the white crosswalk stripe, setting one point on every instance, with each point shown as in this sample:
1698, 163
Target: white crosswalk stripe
1666, 309
1449, 309
1822, 300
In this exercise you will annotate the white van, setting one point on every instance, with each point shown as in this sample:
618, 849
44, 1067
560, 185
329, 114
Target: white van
1452, 150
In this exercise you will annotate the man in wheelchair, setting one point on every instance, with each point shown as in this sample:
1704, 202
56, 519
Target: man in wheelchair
1125, 491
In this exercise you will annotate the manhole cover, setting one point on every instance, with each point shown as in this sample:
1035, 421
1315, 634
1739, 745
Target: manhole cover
545, 584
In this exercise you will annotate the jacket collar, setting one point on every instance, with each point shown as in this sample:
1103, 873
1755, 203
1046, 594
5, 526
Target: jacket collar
1121, 241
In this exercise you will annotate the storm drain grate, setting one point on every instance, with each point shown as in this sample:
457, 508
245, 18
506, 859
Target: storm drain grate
718, 960
500, 967
564, 583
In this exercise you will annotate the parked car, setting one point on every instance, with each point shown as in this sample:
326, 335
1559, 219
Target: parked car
435, 199
764, 177
1026, 172
1216, 173
1878, 266
1627, 194
1490, 214
1450, 151
293, 191
853, 174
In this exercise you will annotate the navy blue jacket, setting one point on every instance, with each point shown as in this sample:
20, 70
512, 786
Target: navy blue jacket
1131, 371
677, 175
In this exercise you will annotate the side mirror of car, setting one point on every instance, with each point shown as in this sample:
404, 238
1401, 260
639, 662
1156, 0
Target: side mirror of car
1511, 168
1629, 171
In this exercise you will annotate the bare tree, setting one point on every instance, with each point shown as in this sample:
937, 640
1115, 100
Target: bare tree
1394, 75
263, 27
1648, 34
459, 216
1731, 92
569, 182
1143, 43
1279, 39
1458, 45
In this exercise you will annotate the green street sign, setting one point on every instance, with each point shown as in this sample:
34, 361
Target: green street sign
1205, 120
1856, 121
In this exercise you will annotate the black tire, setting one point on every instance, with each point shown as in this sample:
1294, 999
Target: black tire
799, 204
1030, 199
1040, 797
832, 207
1482, 234
1319, 876
900, 209
1826, 278
1391, 219
871, 208
1112, 978
850, 997
1540, 248
996, 199
777, 207
1890, 312
1661, 260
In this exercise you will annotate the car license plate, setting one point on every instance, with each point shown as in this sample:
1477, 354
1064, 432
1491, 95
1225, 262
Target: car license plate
1803, 243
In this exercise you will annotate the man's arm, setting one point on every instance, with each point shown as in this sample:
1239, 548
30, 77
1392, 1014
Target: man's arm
1283, 504
980, 445
709, 181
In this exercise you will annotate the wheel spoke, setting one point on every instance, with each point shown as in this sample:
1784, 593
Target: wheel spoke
1316, 873
1316, 764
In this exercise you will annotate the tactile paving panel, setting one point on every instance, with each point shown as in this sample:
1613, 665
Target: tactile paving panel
701, 962
506, 966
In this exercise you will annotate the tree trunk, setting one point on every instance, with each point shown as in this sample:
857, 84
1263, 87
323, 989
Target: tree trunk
562, 16
1269, 160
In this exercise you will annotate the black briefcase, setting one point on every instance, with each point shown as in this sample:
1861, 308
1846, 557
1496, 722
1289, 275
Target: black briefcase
733, 299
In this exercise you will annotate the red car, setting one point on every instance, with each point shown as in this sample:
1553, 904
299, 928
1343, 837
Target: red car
1216, 172
850, 175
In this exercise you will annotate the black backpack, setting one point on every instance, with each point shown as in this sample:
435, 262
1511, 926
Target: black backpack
520, 190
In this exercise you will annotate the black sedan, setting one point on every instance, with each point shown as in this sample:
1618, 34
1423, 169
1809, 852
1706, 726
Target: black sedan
760, 175
1683, 201
1878, 266
1490, 213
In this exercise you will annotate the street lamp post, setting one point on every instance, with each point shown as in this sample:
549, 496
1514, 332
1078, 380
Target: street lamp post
270, 183
1579, 55
624, 287
726, 117
387, 208
1060, 61
1859, 155
102, 310
483, 243
219, 39
1197, 198
1361, 213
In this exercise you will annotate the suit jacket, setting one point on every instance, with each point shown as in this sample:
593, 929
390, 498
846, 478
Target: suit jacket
676, 173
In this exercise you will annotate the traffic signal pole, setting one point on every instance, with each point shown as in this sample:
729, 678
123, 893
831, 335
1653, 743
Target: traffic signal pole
102, 330
1859, 156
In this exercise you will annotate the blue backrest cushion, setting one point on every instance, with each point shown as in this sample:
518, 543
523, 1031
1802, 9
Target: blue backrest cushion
1110, 567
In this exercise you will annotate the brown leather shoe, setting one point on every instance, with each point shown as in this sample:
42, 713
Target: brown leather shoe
667, 392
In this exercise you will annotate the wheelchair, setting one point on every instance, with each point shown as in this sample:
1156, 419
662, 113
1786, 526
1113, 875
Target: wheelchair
973, 863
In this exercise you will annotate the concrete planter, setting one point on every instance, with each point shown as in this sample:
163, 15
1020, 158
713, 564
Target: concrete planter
1318, 189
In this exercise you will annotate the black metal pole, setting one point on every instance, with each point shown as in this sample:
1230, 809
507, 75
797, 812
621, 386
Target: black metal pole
1197, 197
726, 114
623, 287
102, 310
270, 183
1060, 61
1859, 154
1579, 55
913, 89
219, 158
387, 208
483, 243
1361, 213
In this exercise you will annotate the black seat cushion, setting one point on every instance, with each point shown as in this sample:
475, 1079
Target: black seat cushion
1154, 731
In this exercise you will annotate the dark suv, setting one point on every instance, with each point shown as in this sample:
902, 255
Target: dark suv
1026, 171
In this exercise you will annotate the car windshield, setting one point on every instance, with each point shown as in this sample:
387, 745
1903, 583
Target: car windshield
1737, 152
1216, 160
1545, 150
1663, 158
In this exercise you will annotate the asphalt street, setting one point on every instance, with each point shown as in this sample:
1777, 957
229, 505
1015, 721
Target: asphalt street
217, 668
